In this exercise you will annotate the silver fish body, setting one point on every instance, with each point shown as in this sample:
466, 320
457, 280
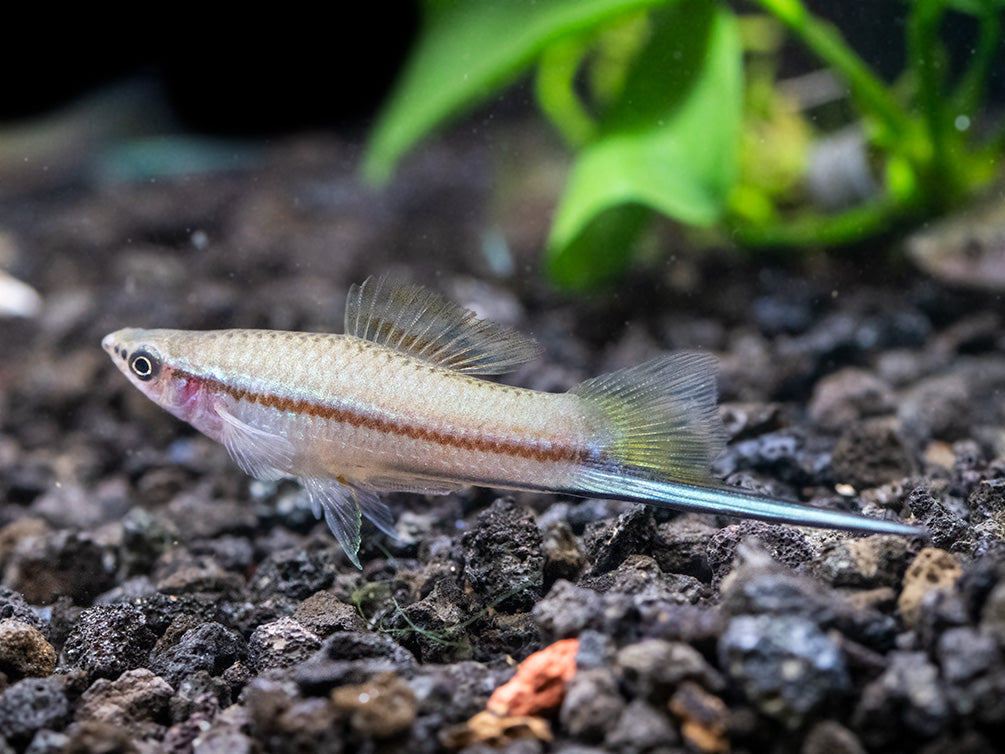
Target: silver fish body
395, 404
357, 409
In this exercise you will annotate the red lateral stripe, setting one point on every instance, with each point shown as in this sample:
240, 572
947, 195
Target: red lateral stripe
553, 453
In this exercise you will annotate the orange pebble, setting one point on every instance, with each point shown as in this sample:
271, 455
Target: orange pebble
539, 683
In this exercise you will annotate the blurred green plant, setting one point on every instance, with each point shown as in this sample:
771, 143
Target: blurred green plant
651, 97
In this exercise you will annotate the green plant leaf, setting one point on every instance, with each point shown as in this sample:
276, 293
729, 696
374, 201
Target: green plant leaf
670, 144
599, 255
467, 51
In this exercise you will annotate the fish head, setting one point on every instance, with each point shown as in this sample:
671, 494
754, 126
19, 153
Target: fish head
149, 360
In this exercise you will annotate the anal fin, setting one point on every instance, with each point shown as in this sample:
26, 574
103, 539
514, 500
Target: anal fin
343, 505
375, 510
334, 501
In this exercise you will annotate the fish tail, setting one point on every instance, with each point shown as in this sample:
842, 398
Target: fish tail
727, 501
660, 432
659, 418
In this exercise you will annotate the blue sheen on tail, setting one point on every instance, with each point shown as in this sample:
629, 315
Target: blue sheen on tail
659, 431
684, 496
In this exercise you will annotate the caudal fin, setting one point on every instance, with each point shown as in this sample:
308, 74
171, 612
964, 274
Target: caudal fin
662, 432
661, 417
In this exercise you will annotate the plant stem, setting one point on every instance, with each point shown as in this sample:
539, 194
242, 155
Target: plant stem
827, 43
817, 231
554, 87
972, 87
925, 58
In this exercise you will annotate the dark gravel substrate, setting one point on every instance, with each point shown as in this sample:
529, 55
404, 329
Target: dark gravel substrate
155, 599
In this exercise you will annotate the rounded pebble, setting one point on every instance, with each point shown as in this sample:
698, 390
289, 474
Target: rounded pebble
24, 651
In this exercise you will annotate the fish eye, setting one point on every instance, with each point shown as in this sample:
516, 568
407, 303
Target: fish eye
144, 364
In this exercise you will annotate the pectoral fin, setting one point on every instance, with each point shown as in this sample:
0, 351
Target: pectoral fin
260, 454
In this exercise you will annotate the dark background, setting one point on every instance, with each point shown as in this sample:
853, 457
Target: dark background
288, 69
246, 73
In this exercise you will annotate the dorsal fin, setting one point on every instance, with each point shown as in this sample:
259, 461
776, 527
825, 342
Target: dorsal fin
421, 323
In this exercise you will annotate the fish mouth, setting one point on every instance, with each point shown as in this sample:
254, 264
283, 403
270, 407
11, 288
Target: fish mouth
108, 342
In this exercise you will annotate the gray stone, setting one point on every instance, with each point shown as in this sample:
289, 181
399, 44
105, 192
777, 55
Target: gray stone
785, 665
